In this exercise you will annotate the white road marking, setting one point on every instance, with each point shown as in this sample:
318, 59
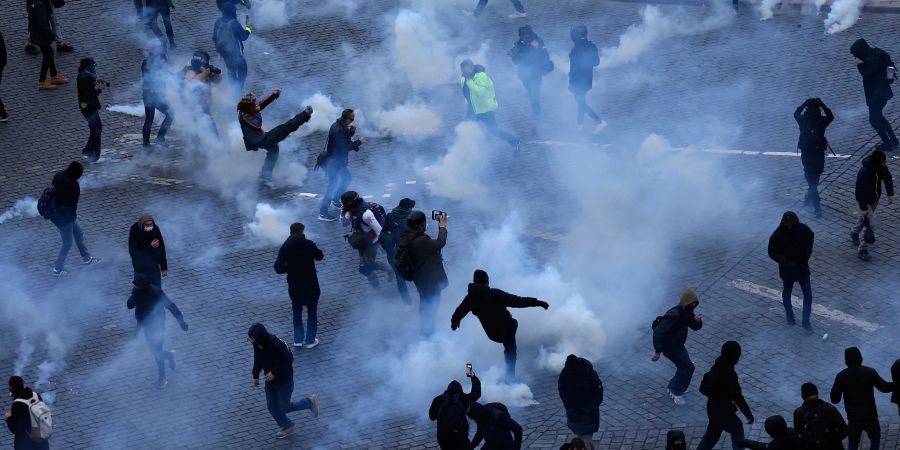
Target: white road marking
411, 182
724, 151
817, 309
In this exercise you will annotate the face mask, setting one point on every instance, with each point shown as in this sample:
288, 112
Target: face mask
148, 229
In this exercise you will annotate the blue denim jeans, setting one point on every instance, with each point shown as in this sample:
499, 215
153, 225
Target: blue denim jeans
788, 288
338, 181
684, 369
714, 430
68, 232
278, 400
312, 319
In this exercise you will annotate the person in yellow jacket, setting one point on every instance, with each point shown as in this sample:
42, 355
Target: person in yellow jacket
478, 89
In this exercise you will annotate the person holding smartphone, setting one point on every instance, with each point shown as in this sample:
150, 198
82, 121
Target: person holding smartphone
449, 411
423, 253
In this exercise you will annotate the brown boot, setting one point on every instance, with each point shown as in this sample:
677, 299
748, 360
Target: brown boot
58, 79
46, 86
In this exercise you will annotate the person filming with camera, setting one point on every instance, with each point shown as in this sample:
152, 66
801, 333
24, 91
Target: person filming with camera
199, 76
89, 89
419, 260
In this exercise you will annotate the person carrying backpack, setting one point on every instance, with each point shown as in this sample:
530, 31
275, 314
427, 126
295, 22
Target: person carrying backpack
449, 411
228, 37
724, 398
335, 160
873, 64
390, 241
64, 215
670, 333
783, 437
495, 426
365, 221
857, 384
21, 420
819, 425
419, 260
581, 392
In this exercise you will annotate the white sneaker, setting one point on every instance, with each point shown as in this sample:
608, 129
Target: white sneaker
517, 15
600, 126
678, 399
468, 12
298, 344
311, 344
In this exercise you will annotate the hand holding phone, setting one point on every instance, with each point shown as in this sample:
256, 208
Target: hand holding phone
469, 372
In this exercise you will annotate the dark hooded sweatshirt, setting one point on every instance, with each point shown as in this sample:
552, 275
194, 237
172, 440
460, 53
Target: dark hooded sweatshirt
582, 59
791, 247
297, 258
394, 227
145, 258
727, 396
868, 184
19, 423
251, 124
856, 385
672, 331
271, 354
835, 426
498, 430
40, 30
895, 377
67, 191
149, 303
783, 437
231, 46
489, 306
812, 142
874, 72
532, 62
455, 389
425, 254
581, 392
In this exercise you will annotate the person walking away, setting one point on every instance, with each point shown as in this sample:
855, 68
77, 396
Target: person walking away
581, 392
365, 228
61, 46
873, 173
297, 258
819, 425
478, 90
449, 409
67, 192
336, 160
873, 64
250, 117
783, 437
273, 358
517, 4
490, 305
791, 246
423, 255
40, 31
495, 427
393, 230
150, 303
229, 37
582, 59
813, 145
18, 418
89, 89
154, 75
857, 384
199, 76
155, 8
724, 397
533, 63
3, 114
670, 333
148, 250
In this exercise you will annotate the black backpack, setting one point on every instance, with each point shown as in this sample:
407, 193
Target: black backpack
392, 228
675, 440
451, 417
496, 433
814, 431
406, 266
46, 204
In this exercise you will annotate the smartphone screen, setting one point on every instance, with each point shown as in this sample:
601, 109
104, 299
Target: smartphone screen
469, 370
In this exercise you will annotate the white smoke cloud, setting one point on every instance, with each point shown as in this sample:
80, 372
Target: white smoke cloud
24, 207
270, 225
134, 109
457, 174
324, 114
767, 9
419, 37
23, 356
843, 15
269, 14
407, 119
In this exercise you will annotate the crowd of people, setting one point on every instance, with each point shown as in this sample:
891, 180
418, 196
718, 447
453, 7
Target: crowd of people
412, 255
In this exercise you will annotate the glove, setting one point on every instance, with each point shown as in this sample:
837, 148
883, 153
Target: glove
544, 305
308, 109
454, 326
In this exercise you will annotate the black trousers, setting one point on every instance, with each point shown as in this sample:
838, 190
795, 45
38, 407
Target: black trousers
48, 63
812, 189
2, 108
881, 124
272, 139
92, 148
854, 433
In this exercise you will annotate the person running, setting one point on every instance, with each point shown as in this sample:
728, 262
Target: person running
67, 192
478, 90
154, 75
670, 332
150, 303
89, 89
582, 59
724, 398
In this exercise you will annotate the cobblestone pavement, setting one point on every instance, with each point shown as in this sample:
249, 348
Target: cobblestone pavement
730, 87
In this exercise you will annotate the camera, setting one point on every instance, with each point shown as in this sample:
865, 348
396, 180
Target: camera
437, 215
214, 70
103, 83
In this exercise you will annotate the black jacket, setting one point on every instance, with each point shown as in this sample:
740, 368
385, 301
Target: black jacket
19, 423
672, 331
791, 247
153, 80
874, 71
88, 93
868, 184
498, 430
783, 437
532, 62
425, 253
582, 59
297, 258
393, 229
40, 29
835, 426
231, 45
856, 384
454, 388
727, 397
271, 354
251, 124
150, 304
895, 377
2, 52
145, 258
581, 392
489, 306
812, 142
67, 193
340, 143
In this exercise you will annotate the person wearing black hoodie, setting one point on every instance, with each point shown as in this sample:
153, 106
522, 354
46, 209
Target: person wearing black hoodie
783, 436
670, 332
872, 64
581, 392
791, 246
495, 426
67, 191
150, 303
490, 305
3, 115
297, 258
393, 230
250, 118
18, 418
724, 399
819, 425
533, 62
273, 358
228, 37
148, 249
449, 411
338, 146
895, 378
154, 71
873, 173
424, 254
40, 32
582, 59
89, 89
857, 384
813, 145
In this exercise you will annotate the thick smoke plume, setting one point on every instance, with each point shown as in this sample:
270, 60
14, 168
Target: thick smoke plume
843, 15
408, 119
25, 207
458, 174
